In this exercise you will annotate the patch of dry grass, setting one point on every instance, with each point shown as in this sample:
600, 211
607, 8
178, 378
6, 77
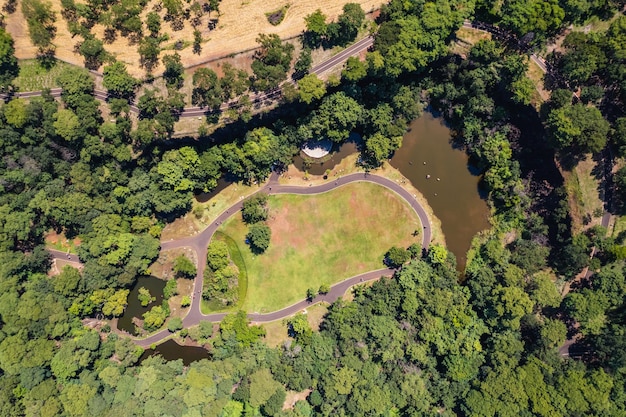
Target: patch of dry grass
583, 190
240, 22
535, 74
276, 331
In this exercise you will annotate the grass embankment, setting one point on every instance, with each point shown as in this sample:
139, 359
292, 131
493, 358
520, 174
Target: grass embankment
242, 280
34, 77
322, 239
583, 191
276, 331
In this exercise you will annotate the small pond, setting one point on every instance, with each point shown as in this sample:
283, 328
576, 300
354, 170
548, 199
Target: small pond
134, 308
329, 162
452, 190
222, 183
445, 177
170, 350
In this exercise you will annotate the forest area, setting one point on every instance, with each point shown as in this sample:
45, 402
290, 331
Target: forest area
427, 341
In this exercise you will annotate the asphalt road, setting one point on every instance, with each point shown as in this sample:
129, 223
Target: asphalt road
255, 98
200, 242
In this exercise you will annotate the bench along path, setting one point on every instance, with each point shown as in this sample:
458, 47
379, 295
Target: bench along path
200, 242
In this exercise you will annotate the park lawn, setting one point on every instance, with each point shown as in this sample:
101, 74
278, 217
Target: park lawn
322, 239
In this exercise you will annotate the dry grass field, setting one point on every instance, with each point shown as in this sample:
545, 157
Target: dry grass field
239, 25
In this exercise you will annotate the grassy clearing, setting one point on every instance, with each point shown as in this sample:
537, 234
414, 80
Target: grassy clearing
242, 281
58, 241
583, 190
535, 74
34, 77
322, 239
348, 165
276, 331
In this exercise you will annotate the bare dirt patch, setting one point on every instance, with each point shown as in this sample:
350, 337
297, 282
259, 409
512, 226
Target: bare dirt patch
293, 397
163, 267
184, 287
58, 241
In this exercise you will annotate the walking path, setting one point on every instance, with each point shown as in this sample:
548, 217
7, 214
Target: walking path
200, 242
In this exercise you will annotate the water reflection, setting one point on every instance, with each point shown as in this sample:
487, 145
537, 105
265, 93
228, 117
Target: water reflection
446, 178
134, 308
170, 350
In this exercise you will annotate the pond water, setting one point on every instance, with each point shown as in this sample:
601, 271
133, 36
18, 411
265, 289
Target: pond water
134, 308
452, 190
170, 350
222, 183
455, 198
347, 148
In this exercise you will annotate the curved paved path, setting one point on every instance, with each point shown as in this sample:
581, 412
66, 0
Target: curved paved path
200, 242
354, 49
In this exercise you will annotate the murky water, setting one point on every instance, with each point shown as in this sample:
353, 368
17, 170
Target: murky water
170, 350
443, 174
348, 148
134, 308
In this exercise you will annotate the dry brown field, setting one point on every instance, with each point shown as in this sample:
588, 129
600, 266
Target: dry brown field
240, 23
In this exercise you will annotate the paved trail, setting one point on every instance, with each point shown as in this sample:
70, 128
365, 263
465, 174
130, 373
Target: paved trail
331, 62
200, 242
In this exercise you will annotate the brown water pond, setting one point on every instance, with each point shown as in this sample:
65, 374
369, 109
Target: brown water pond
443, 174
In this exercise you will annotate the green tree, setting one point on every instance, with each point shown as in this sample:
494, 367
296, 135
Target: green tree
145, 297
324, 289
254, 209
336, 117
259, 236
154, 319
316, 29
118, 81
350, 22
171, 289
311, 88
16, 113
262, 387
93, 51
197, 42
355, 70
175, 324
207, 91
67, 125
581, 127
396, 257
271, 62
8, 62
153, 22
173, 70
378, 147
217, 255
183, 267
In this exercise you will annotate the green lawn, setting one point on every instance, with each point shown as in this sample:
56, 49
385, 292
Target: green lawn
322, 239
34, 77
